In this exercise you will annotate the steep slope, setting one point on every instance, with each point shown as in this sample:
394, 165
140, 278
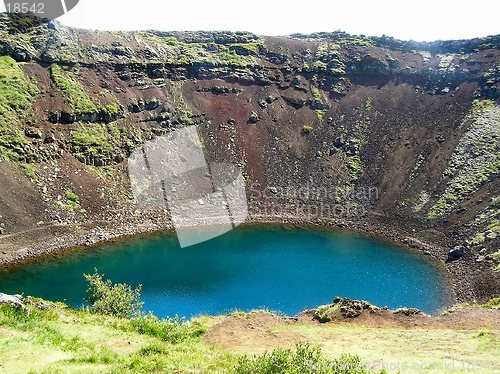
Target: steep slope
366, 132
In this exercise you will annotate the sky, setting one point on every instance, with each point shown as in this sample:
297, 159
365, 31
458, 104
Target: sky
422, 20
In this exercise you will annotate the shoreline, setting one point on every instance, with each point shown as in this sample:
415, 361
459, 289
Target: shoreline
53, 241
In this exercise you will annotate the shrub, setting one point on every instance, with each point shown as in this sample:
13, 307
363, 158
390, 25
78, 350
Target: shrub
305, 359
118, 300
73, 200
319, 66
71, 196
306, 129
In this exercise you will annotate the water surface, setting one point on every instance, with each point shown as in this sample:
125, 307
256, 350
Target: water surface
286, 269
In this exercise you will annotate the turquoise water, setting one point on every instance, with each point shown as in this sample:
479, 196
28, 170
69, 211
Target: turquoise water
281, 268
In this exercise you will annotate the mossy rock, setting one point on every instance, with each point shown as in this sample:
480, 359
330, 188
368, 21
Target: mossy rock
342, 308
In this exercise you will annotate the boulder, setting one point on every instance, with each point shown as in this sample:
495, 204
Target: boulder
137, 107
333, 150
152, 103
55, 117
339, 142
254, 117
318, 105
14, 301
295, 101
20, 55
67, 118
33, 132
271, 99
342, 308
351, 148
86, 117
456, 253
409, 311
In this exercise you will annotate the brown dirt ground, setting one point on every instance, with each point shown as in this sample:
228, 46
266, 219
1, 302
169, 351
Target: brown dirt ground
245, 332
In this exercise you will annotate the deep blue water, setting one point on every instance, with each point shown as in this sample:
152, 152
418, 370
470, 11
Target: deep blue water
281, 268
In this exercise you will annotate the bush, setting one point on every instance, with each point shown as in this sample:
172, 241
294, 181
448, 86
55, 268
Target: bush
118, 300
306, 129
71, 196
305, 359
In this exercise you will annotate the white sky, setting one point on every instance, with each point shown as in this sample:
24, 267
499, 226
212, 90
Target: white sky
418, 19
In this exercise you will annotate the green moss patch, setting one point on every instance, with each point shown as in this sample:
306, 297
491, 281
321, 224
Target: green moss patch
16, 96
475, 160
74, 94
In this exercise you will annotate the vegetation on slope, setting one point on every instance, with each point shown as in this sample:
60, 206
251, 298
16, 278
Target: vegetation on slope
475, 160
76, 97
100, 142
16, 95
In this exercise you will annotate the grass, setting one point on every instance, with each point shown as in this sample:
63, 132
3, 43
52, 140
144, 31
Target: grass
320, 114
496, 258
481, 105
424, 350
95, 140
61, 339
77, 98
110, 109
74, 94
320, 66
307, 129
492, 304
475, 161
15, 91
463, 185
30, 170
354, 166
73, 200
303, 359
66, 340
240, 54
16, 96
316, 95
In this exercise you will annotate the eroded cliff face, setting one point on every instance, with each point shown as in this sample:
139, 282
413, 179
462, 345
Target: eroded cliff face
365, 128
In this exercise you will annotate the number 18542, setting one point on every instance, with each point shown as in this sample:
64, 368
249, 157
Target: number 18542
37, 8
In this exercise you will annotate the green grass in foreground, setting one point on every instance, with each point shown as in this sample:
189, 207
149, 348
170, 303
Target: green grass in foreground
407, 350
113, 335
66, 340
63, 340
